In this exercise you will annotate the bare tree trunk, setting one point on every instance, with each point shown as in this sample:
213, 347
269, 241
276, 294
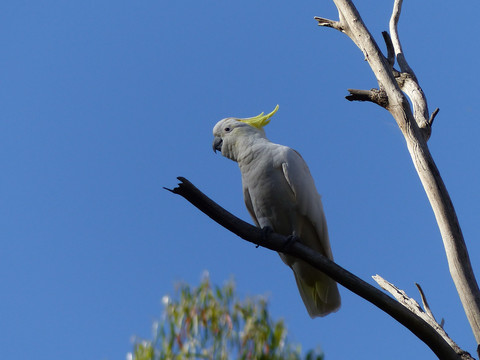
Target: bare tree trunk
416, 128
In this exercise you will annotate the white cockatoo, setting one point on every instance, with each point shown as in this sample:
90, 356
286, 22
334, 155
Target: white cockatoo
280, 195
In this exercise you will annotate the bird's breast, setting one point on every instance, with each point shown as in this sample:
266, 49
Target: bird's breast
271, 197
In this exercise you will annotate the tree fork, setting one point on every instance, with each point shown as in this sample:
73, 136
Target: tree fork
415, 126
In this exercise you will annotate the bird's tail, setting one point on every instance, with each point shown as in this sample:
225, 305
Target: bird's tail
319, 292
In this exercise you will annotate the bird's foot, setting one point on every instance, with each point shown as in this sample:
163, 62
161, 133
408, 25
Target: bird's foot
291, 239
266, 231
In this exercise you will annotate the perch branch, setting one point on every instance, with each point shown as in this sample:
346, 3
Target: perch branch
416, 130
281, 243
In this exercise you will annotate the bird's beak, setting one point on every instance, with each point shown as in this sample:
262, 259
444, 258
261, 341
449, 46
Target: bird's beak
217, 144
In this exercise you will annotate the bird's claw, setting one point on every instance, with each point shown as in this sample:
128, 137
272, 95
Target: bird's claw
266, 231
291, 239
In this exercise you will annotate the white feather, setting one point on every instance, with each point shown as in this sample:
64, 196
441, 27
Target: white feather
280, 192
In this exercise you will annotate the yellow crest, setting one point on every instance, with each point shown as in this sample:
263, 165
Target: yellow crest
260, 120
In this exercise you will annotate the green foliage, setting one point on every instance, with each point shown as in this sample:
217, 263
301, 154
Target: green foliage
209, 322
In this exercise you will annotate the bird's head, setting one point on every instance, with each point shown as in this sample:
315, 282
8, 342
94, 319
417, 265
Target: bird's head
232, 133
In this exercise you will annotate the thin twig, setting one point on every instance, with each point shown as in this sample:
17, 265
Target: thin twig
426, 307
432, 116
402, 62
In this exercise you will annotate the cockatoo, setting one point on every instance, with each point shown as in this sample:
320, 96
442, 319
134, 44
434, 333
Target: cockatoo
280, 195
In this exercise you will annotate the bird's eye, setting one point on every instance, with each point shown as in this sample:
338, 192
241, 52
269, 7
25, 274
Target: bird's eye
227, 129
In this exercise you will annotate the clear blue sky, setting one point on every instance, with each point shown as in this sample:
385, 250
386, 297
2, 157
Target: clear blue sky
103, 103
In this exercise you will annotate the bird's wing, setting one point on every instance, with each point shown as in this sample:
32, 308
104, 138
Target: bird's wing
248, 203
309, 204
319, 292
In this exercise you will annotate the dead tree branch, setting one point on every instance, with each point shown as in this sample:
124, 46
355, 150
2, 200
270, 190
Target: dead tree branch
280, 243
402, 62
390, 49
415, 308
416, 126
374, 95
425, 303
329, 23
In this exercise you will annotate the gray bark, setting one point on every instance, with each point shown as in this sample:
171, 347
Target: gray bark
416, 128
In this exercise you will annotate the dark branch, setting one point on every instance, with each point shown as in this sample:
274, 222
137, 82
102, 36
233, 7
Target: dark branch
278, 242
241, 228
432, 116
390, 49
376, 96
